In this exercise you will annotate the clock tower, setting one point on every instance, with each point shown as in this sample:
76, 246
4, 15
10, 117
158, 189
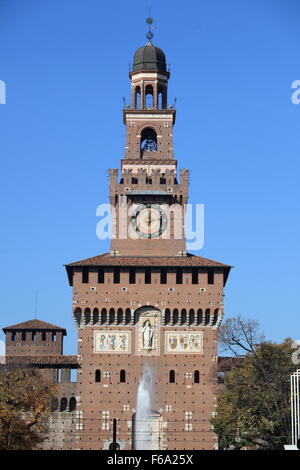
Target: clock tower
147, 312
148, 198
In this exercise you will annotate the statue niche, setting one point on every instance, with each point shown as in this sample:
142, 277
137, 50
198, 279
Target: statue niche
147, 322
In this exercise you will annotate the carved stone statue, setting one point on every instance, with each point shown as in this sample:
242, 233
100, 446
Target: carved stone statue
147, 335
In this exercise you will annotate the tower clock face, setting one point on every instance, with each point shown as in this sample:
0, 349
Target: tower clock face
149, 220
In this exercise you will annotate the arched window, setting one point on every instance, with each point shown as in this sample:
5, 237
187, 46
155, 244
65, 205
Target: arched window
127, 316
111, 316
98, 376
207, 316
216, 315
77, 315
183, 316
167, 316
191, 317
172, 376
122, 376
119, 316
149, 97
72, 404
137, 98
54, 404
63, 404
175, 316
95, 316
196, 377
199, 316
148, 140
87, 315
162, 98
103, 316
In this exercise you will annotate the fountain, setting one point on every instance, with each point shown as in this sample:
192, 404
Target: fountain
143, 428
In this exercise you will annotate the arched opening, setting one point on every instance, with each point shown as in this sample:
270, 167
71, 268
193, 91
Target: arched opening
183, 316
172, 376
216, 316
122, 376
139, 313
72, 404
197, 377
103, 316
167, 316
175, 316
127, 316
54, 405
63, 404
148, 141
111, 316
149, 100
87, 315
119, 316
95, 316
162, 98
137, 97
199, 316
207, 316
98, 376
191, 316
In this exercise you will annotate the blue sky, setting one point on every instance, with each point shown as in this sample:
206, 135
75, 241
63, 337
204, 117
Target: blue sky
65, 65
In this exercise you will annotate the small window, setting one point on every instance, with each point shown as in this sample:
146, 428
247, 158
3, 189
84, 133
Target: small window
172, 376
210, 276
100, 276
54, 337
147, 276
33, 336
122, 376
43, 335
132, 276
163, 181
179, 276
23, 336
148, 180
116, 275
85, 275
134, 181
98, 376
163, 276
13, 336
196, 377
195, 276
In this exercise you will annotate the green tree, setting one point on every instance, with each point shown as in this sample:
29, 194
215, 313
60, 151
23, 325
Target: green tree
254, 402
25, 404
